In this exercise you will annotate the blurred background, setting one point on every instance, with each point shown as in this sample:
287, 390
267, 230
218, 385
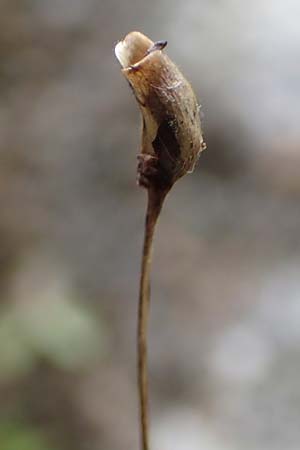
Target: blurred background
225, 317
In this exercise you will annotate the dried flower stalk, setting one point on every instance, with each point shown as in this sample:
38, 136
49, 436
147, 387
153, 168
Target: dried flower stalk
171, 144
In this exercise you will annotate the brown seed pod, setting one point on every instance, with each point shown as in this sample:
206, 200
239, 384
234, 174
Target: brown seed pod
172, 137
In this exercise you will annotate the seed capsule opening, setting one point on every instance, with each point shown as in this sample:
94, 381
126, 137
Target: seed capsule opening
132, 49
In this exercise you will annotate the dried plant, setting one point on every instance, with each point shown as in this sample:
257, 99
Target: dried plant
172, 141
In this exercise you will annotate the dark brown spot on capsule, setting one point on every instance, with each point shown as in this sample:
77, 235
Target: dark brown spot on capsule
166, 144
167, 148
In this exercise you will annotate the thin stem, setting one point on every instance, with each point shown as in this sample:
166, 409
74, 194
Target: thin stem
155, 202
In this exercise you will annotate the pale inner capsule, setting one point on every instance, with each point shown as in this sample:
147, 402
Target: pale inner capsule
132, 49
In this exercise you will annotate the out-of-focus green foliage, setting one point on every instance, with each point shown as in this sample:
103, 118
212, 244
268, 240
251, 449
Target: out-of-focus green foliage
15, 436
16, 358
61, 331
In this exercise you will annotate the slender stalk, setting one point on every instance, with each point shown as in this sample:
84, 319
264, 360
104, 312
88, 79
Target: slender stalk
155, 202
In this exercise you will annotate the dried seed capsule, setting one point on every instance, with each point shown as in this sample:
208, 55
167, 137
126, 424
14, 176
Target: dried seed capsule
172, 137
